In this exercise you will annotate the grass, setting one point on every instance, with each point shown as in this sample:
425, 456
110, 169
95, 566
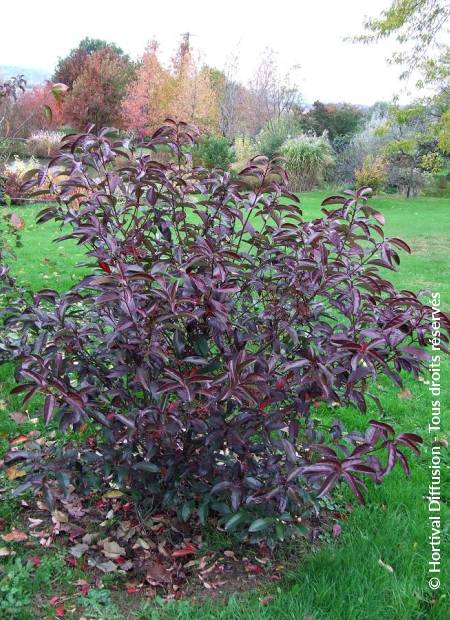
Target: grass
342, 579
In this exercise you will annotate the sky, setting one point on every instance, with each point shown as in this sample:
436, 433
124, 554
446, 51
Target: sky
305, 33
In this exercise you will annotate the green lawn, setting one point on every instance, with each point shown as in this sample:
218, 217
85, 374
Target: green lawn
340, 580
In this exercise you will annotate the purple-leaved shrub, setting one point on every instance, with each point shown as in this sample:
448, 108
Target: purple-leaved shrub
215, 319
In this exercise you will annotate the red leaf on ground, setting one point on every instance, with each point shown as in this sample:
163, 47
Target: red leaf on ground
254, 569
188, 549
336, 530
19, 439
70, 561
85, 589
60, 611
35, 560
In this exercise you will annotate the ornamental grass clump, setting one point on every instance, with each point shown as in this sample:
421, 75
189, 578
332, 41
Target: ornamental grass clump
214, 321
307, 159
44, 143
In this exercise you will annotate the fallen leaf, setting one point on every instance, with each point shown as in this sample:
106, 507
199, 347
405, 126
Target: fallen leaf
405, 394
15, 536
14, 472
35, 560
107, 567
4, 551
59, 517
253, 569
113, 494
141, 543
156, 574
19, 439
19, 417
337, 529
266, 600
70, 560
78, 550
387, 567
112, 550
128, 565
230, 554
16, 221
188, 549
60, 611
84, 586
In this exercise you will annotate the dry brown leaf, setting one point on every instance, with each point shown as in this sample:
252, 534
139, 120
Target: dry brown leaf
405, 394
4, 552
15, 536
59, 517
156, 574
14, 472
112, 550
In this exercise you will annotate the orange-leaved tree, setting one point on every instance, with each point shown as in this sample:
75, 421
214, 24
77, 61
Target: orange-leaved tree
147, 100
195, 99
97, 93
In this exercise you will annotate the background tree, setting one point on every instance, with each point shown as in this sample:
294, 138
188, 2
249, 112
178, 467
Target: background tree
27, 113
272, 95
97, 93
230, 97
147, 99
340, 121
411, 142
420, 27
194, 98
9, 91
71, 66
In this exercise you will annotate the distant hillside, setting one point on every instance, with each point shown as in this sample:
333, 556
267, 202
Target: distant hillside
33, 76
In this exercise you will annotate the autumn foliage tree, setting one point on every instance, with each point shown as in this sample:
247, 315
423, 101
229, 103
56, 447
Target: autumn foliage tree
27, 113
71, 66
184, 92
147, 98
194, 97
97, 93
